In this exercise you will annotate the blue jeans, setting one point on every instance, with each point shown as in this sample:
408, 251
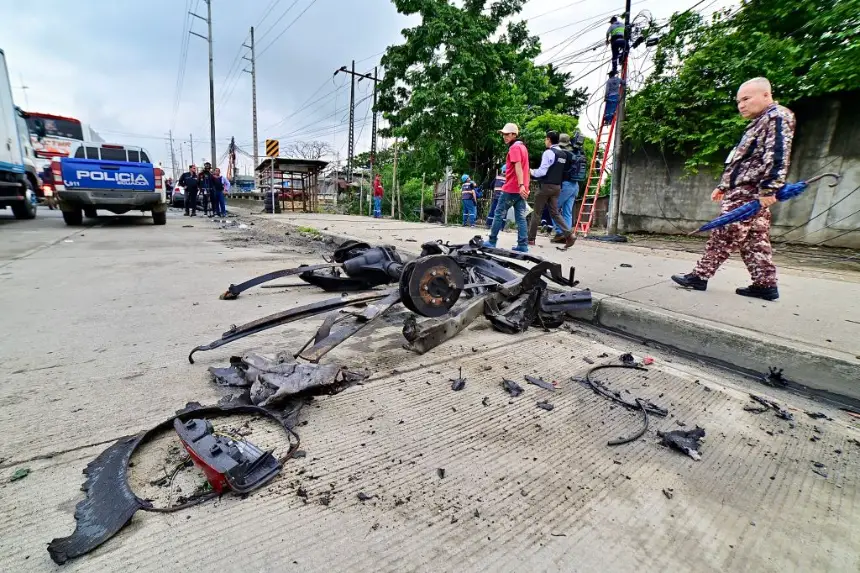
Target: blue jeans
505, 202
219, 203
569, 191
492, 211
611, 106
377, 207
470, 212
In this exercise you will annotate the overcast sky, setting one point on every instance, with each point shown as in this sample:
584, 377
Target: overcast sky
114, 64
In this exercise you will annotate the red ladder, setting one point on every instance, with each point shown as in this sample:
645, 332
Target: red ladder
594, 179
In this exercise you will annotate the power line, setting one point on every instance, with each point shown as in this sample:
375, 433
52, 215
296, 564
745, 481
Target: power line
183, 58
276, 22
284, 31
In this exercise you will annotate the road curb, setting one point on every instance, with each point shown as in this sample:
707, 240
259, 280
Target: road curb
830, 375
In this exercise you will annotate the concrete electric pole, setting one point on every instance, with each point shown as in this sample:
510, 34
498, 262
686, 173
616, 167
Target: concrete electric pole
172, 153
615, 192
191, 136
253, 73
208, 38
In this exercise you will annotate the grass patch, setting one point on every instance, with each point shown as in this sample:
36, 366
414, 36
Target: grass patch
310, 231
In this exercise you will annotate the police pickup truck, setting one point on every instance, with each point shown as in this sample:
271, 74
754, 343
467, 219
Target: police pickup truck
116, 178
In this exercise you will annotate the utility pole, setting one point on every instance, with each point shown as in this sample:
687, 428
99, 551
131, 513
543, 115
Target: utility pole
373, 125
172, 153
182, 157
351, 142
253, 73
616, 189
208, 38
394, 181
191, 135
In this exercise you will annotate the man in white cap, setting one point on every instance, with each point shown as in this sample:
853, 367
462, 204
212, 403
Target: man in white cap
515, 191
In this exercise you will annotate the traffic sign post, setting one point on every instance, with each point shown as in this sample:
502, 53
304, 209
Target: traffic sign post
272, 150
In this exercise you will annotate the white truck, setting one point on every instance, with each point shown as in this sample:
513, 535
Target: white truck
17, 184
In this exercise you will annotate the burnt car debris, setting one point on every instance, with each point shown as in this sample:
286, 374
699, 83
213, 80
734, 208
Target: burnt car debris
510, 289
110, 503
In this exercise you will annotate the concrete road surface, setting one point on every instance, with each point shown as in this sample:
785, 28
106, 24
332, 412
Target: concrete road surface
97, 324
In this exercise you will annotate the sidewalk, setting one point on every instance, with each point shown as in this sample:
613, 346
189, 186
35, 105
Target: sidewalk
813, 331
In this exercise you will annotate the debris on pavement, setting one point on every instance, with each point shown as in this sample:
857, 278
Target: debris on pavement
273, 381
459, 383
19, 474
627, 358
644, 406
818, 415
774, 377
546, 406
109, 502
540, 382
820, 472
362, 497
669, 492
648, 361
511, 296
684, 441
512, 387
770, 404
441, 473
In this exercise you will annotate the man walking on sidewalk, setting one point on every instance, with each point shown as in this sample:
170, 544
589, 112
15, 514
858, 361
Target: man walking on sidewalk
755, 169
569, 187
378, 191
188, 182
515, 191
551, 173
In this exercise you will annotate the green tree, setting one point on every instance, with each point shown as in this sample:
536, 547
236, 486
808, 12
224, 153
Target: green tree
806, 48
459, 77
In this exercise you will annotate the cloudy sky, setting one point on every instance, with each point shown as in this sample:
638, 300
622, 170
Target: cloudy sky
132, 72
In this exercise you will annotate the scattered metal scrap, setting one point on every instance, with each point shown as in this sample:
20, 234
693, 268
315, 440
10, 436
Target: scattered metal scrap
684, 441
512, 387
771, 405
458, 383
540, 382
511, 295
110, 503
365, 267
644, 406
271, 382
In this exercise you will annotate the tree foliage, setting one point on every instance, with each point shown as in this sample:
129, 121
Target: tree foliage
460, 76
806, 48
307, 149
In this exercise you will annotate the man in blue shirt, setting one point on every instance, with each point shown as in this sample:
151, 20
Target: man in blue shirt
551, 174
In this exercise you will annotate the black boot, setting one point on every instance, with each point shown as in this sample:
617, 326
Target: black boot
755, 291
691, 281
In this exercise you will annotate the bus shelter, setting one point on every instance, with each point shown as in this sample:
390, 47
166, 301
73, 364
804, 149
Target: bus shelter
294, 183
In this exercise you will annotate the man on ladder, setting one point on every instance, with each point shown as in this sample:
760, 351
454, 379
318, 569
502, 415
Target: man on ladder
616, 40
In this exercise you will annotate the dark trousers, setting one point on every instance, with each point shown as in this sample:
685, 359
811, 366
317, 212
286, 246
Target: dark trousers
609, 110
191, 201
548, 194
618, 46
205, 198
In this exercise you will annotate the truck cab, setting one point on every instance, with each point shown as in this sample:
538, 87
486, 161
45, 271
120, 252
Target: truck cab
17, 184
116, 178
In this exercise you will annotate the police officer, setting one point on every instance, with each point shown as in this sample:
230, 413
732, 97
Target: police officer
755, 169
569, 187
188, 182
551, 174
207, 188
470, 201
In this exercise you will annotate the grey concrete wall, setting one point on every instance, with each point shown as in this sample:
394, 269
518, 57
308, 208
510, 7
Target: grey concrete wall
659, 197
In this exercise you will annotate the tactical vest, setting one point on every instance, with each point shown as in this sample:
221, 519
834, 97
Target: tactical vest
555, 173
617, 30
466, 190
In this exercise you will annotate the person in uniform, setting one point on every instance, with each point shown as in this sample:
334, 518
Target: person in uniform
755, 169
470, 201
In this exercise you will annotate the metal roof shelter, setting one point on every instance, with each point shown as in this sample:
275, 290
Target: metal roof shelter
294, 181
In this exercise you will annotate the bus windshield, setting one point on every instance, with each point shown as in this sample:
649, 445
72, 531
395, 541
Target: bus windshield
56, 126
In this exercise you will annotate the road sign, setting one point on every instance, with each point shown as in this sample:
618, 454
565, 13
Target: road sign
272, 147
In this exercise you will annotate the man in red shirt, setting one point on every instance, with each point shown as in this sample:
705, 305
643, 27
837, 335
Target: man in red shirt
515, 191
377, 197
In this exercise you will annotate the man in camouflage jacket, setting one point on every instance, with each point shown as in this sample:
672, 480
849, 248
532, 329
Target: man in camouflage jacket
755, 169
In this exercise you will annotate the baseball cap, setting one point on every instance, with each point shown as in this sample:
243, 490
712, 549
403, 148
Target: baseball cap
510, 128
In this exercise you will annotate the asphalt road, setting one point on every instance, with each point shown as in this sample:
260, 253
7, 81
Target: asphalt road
97, 324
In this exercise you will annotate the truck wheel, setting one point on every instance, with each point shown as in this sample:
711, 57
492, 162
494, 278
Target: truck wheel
73, 217
159, 218
26, 209
90, 213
